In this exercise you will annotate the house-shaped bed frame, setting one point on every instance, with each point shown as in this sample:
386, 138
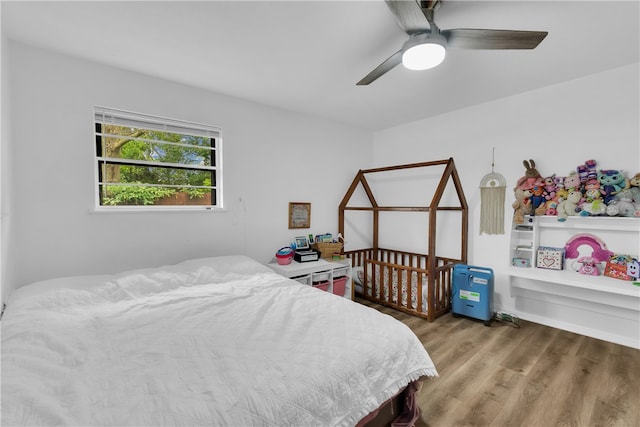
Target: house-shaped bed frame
419, 284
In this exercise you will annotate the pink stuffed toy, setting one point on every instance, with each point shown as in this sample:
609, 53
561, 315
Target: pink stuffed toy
550, 187
572, 182
531, 178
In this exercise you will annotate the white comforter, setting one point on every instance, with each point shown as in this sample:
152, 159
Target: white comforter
219, 341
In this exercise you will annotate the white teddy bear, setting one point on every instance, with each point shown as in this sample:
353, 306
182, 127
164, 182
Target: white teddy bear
569, 207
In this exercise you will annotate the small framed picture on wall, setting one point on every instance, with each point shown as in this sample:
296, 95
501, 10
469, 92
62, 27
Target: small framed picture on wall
299, 215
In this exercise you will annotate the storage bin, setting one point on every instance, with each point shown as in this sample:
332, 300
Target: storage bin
321, 277
339, 285
327, 249
324, 286
305, 280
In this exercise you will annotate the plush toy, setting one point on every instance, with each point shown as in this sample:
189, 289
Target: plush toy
632, 191
592, 173
518, 206
623, 207
611, 182
550, 187
531, 176
569, 207
537, 200
587, 171
592, 190
561, 195
634, 187
558, 181
572, 182
527, 205
633, 269
552, 208
593, 208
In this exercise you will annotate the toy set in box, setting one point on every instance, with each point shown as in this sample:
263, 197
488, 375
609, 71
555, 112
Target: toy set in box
622, 267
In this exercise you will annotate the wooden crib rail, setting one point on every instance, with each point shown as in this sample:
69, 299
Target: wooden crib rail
392, 285
401, 266
391, 256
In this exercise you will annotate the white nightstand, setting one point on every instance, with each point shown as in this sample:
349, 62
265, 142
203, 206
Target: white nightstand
313, 271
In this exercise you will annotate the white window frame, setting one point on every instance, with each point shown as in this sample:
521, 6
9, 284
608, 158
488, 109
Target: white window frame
146, 121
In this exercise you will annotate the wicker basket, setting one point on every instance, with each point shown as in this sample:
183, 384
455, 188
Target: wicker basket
327, 249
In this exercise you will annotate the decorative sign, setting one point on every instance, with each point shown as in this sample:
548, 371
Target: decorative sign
551, 258
299, 215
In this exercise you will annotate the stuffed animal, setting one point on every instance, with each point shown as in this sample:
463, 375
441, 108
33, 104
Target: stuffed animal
632, 192
592, 173
593, 208
558, 181
531, 176
569, 207
634, 187
537, 200
572, 182
587, 171
592, 190
611, 182
561, 195
550, 187
528, 206
623, 207
633, 269
552, 208
518, 206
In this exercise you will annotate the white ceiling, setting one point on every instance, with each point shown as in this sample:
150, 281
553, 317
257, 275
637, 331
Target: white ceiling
307, 56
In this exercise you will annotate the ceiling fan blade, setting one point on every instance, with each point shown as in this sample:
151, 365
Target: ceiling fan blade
409, 16
467, 38
381, 69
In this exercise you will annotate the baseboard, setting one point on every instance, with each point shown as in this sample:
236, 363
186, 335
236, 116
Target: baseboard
571, 327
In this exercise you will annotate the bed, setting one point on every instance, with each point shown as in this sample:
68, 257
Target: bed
213, 341
415, 283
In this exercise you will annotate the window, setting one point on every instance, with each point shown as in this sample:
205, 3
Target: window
147, 162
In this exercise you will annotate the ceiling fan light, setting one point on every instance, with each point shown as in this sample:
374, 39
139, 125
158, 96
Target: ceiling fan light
423, 51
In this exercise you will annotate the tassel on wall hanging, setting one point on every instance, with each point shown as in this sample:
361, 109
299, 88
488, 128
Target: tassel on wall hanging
492, 192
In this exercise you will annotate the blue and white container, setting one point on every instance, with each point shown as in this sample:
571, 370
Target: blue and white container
472, 290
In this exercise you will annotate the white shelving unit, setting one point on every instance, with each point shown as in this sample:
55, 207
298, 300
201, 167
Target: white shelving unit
597, 306
314, 271
523, 243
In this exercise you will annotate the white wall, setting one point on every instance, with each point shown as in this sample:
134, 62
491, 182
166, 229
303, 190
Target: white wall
271, 157
4, 162
48, 229
561, 126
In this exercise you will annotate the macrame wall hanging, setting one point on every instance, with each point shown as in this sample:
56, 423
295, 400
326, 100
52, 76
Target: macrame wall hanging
492, 193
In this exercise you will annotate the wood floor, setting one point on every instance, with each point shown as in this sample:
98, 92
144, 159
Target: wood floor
532, 376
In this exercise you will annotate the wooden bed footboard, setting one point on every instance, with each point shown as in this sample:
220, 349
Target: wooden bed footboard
402, 280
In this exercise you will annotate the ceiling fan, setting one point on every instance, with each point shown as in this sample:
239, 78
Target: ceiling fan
427, 43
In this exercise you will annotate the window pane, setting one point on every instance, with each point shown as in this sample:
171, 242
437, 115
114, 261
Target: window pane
118, 173
148, 146
137, 195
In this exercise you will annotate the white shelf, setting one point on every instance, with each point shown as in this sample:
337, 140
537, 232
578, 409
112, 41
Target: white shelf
577, 280
306, 272
598, 306
602, 223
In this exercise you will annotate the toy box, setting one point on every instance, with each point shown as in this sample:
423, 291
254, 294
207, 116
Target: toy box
623, 267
